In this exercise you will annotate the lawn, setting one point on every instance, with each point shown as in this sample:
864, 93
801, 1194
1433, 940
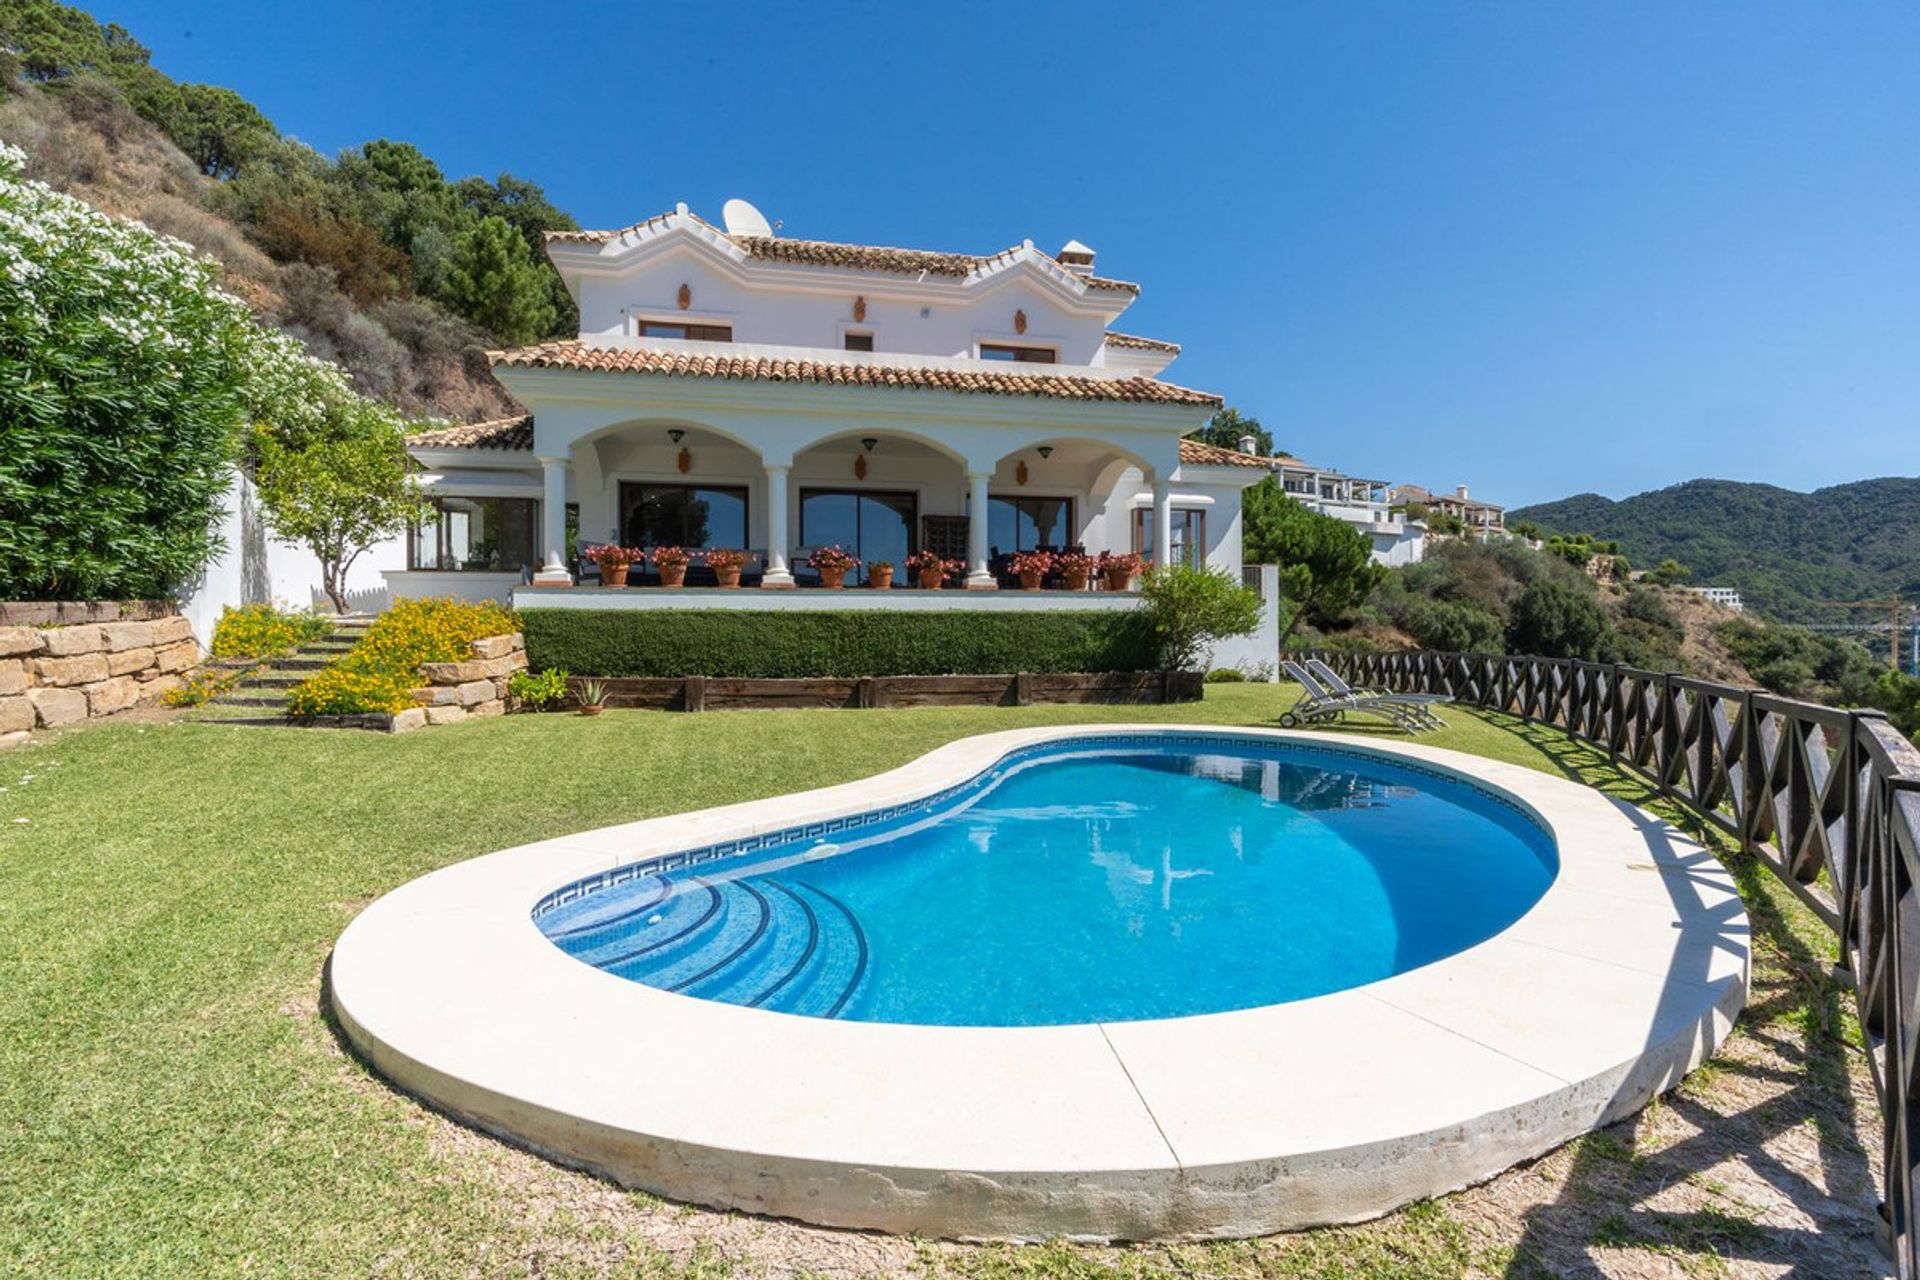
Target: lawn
173, 1100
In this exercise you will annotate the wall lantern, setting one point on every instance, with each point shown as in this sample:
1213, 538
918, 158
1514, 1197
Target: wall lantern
1019, 321
1046, 451
675, 434
685, 297
867, 442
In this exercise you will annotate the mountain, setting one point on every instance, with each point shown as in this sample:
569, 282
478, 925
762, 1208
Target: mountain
1784, 550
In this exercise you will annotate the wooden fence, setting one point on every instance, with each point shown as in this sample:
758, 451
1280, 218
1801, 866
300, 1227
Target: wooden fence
1827, 800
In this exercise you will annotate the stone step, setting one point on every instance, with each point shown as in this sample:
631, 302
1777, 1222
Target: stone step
275, 682
248, 700
303, 664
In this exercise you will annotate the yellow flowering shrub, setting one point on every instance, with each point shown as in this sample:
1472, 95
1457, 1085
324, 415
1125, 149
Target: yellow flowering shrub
381, 670
262, 631
334, 692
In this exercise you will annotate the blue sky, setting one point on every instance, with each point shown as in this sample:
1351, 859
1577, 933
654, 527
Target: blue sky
1535, 248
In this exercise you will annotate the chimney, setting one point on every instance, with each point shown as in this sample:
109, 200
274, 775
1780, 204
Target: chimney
1249, 445
1076, 258
1460, 492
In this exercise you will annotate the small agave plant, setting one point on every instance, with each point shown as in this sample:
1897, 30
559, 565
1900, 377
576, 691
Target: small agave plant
593, 697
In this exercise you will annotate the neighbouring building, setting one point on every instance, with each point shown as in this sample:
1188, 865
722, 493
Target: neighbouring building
1479, 517
733, 388
1728, 596
1365, 504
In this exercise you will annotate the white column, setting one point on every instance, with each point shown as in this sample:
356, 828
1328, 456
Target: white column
777, 574
979, 578
553, 522
1162, 523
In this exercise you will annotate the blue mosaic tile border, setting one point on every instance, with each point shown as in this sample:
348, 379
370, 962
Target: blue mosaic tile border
683, 858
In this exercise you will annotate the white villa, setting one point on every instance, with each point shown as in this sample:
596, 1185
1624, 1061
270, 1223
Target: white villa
1365, 504
734, 388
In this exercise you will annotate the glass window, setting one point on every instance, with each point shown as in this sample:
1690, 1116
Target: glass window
1021, 523
858, 342
1189, 534
683, 515
872, 524
477, 533
1021, 355
700, 332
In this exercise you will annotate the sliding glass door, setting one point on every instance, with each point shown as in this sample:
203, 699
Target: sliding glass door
873, 524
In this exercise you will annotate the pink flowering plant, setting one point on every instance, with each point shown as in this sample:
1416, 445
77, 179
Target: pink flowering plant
1031, 562
610, 555
724, 558
833, 559
1125, 561
670, 557
1074, 562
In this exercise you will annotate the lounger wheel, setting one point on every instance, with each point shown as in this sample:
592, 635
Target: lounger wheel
1288, 720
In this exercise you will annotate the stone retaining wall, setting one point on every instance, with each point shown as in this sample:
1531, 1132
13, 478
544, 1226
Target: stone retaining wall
54, 675
457, 691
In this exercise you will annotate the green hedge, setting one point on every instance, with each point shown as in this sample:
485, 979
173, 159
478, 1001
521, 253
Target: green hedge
727, 642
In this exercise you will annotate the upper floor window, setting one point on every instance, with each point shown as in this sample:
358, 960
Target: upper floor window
697, 332
1020, 355
857, 342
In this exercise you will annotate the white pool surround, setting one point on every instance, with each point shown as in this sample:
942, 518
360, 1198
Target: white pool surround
1628, 972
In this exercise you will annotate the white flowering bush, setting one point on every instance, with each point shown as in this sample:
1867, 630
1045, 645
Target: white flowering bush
128, 379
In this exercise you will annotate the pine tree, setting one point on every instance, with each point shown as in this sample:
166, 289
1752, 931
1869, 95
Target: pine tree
494, 282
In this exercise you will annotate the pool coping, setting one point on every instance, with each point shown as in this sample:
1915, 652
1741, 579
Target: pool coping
1625, 974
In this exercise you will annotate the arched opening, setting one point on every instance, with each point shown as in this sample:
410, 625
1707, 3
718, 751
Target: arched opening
881, 495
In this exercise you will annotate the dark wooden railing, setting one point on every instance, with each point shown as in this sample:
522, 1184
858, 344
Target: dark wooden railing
1827, 800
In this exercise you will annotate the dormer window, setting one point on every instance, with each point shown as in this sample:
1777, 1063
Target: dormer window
1019, 355
674, 329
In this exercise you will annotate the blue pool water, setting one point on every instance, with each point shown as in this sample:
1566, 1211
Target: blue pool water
1138, 876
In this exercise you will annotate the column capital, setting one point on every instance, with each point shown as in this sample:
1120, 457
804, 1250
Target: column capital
548, 460
776, 468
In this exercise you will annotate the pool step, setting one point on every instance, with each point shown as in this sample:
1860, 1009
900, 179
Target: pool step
756, 941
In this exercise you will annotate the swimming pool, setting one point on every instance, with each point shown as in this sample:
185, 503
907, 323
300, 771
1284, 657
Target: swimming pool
1599, 990
1101, 880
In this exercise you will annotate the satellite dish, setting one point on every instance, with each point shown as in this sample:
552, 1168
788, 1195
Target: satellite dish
743, 219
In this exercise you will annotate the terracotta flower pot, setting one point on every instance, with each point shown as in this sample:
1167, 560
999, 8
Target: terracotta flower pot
833, 579
1030, 580
614, 575
1119, 580
591, 711
674, 576
728, 577
1076, 579
880, 579
930, 577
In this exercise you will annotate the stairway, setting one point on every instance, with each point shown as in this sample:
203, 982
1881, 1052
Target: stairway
760, 941
260, 696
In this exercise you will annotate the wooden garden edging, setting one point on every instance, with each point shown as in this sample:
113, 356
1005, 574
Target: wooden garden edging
717, 693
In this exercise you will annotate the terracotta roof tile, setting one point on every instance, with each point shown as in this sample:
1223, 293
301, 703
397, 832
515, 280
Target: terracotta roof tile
500, 433
574, 355
1202, 454
1135, 342
828, 253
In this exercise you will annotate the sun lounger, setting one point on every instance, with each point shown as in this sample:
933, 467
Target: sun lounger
1319, 704
1332, 682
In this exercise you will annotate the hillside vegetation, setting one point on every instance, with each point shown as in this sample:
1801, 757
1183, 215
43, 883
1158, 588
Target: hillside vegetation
1784, 550
372, 259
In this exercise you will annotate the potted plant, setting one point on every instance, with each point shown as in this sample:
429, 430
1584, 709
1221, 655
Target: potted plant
593, 697
726, 563
929, 568
1119, 570
1076, 567
880, 575
672, 563
833, 563
1031, 566
613, 560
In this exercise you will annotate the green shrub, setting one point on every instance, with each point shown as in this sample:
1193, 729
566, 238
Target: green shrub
538, 690
677, 642
335, 692
1226, 675
1187, 609
262, 631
